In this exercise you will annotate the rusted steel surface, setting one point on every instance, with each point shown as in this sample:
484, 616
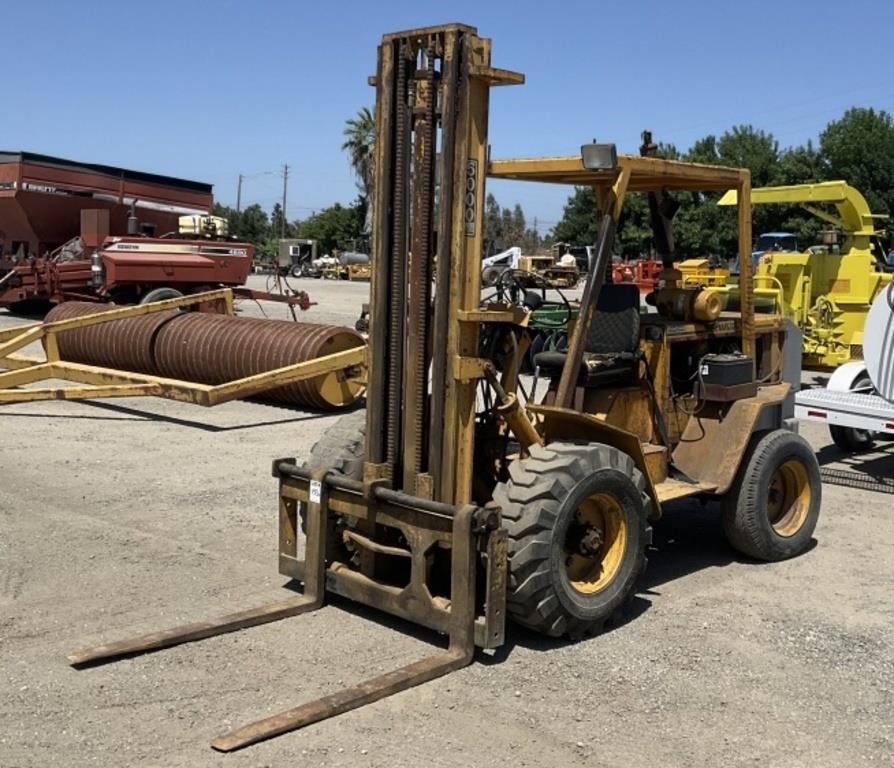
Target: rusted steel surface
458, 654
126, 344
213, 349
41, 198
188, 633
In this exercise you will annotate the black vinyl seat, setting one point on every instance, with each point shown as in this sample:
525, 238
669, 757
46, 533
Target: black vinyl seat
611, 354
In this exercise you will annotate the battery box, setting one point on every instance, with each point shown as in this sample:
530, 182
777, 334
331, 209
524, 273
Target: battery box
726, 377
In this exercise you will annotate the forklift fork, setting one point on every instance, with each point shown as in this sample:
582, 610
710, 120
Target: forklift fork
459, 652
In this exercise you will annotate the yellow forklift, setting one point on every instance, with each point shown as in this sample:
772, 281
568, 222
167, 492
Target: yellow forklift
459, 498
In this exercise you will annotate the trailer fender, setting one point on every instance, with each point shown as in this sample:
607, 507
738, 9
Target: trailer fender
845, 376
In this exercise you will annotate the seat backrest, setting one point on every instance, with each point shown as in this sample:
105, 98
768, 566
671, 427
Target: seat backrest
615, 325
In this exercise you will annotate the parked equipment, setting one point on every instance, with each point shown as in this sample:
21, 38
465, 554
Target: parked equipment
858, 401
200, 357
557, 274
83, 232
296, 256
457, 505
827, 294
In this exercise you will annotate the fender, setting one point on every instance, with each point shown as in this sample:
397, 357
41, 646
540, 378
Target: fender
563, 423
845, 376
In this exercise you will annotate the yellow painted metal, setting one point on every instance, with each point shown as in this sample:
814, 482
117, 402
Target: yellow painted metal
173, 389
10, 333
670, 489
746, 299
826, 294
16, 361
854, 215
590, 573
26, 375
470, 158
564, 423
636, 173
250, 385
699, 272
22, 339
619, 189
646, 173
96, 382
37, 394
788, 498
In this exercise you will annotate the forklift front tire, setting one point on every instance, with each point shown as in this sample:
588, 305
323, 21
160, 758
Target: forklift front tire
576, 518
342, 448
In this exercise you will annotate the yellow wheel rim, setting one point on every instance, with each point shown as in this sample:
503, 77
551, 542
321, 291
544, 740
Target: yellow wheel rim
595, 543
788, 498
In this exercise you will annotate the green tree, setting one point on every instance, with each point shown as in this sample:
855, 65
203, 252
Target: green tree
859, 148
801, 165
519, 225
634, 234
507, 229
360, 140
278, 226
504, 228
579, 224
253, 225
250, 225
532, 242
337, 226
744, 146
701, 227
493, 226
798, 165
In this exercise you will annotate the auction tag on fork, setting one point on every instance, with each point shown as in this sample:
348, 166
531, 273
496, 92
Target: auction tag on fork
316, 491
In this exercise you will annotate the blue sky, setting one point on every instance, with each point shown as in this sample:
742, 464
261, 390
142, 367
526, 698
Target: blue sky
209, 90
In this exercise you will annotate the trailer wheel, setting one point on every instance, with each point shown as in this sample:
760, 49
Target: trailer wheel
160, 294
343, 449
771, 510
850, 439
576, 518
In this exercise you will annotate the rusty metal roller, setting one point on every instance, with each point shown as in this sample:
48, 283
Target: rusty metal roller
122, 344
213, 349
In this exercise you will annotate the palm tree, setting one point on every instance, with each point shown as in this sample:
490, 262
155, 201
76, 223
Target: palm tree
360, 139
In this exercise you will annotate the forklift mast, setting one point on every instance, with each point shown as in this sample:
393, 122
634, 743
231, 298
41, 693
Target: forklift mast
432, 95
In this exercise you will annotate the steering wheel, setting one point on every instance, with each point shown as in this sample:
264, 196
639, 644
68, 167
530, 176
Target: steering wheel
512, 286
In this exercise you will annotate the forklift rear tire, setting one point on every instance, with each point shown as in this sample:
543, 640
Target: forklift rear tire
576, 518
342, 448
160, 294
771, 510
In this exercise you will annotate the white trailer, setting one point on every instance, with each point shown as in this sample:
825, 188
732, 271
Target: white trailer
858, 401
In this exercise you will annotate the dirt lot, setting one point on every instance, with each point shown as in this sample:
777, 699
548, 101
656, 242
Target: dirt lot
119, 517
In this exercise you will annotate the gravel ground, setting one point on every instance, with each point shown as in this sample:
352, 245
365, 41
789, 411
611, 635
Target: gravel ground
119, 517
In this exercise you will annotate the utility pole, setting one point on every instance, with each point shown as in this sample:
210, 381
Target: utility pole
239, 194
285, 186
